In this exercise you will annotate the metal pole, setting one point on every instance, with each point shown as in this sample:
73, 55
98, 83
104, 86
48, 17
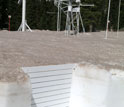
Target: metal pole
78, 18
9, 24
108, 19
118, 17
9, 16
23, 15
69, 16
72, 21
82, 23
58, 18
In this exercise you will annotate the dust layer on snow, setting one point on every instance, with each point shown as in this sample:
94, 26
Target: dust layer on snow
40, 48
13, 75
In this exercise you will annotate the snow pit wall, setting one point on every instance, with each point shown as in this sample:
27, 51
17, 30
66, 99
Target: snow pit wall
94, 86
13, 94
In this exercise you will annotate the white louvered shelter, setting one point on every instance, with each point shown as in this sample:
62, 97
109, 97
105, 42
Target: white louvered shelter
51, 85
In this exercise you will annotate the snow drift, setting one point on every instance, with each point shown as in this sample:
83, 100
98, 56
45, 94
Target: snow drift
95, 86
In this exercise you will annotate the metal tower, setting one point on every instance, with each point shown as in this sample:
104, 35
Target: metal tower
74, 17
71, 8
24, 24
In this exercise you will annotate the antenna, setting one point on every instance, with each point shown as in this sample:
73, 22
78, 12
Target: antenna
24, 24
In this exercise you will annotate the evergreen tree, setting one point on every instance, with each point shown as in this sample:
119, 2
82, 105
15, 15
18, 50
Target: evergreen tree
122, 17
3, 14
93, 16
0, 14
42, 14
114, 14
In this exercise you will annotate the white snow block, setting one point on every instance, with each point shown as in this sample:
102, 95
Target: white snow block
14, 94
94, 86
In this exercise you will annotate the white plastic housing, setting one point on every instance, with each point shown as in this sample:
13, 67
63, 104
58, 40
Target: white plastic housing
77, 9
69, 8
77, 1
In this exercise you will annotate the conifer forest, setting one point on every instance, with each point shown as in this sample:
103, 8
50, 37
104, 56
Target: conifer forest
42, 14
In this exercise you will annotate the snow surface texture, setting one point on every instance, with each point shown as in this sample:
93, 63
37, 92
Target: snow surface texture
21, 49
13, 94
93, 86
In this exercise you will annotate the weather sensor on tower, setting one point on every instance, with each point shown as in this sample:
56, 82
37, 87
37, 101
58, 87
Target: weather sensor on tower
24, 26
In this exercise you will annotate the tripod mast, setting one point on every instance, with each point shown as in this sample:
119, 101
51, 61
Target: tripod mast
24, 24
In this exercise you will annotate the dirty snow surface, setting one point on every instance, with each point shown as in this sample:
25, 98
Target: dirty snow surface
19, 49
